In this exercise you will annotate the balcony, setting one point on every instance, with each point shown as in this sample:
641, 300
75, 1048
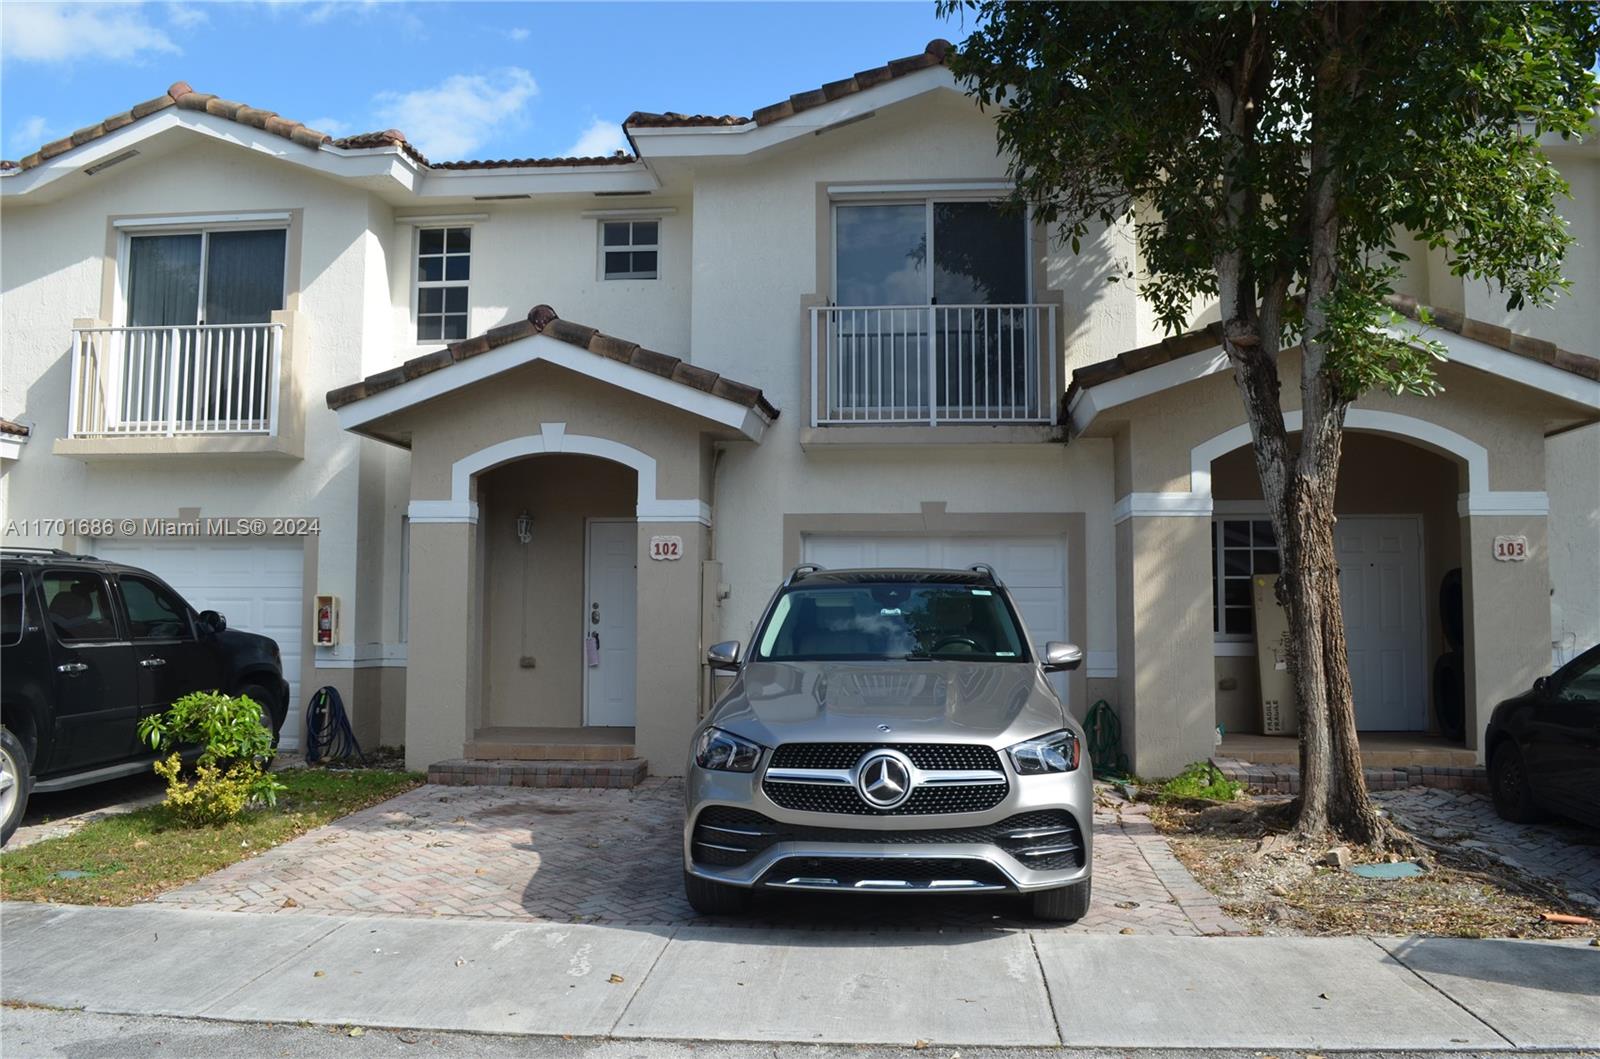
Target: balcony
171, 381
205, 388
933, 365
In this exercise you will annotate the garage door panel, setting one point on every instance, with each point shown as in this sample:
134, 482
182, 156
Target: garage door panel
256, 585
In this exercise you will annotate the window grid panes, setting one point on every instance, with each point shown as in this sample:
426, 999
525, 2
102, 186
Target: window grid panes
1242, 548
444, 266
630, 249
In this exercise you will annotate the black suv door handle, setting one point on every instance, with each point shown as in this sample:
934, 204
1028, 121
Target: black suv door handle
151, 663
71, 667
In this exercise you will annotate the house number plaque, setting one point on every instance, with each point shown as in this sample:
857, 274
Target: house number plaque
666, 547
1511, 549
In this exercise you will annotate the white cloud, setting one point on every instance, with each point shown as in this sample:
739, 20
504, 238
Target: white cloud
30, 134
520, 33
599, 139
186, 16
461, 112
47, 33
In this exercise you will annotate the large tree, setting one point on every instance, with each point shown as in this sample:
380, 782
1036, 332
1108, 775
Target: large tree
1268, 157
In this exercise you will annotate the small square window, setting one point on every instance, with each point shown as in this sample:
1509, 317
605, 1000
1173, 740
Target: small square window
630, 249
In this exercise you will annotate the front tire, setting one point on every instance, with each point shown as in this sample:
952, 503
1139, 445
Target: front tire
714, 898
1508, 783
16, 783
264, 698
1065, 904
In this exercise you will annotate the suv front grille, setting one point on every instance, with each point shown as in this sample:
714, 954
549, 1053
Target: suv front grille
927, 799
929, 756
1044, 840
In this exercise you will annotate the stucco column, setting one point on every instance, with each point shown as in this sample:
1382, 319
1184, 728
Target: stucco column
1507, 619
444, 654
668, 646
1164, 638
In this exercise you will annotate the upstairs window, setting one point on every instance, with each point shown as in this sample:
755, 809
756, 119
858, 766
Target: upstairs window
978, 250
444, 266
629, 249
180, 279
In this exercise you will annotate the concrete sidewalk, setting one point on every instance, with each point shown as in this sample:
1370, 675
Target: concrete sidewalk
1003, 988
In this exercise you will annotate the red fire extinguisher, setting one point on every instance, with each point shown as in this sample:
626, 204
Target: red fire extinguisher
327, 620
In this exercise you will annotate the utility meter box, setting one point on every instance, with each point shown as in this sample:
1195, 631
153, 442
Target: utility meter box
1280, 708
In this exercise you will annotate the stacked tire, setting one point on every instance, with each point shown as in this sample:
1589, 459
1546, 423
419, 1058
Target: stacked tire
1450, 671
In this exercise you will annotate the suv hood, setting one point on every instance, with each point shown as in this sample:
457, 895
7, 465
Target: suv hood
997, 703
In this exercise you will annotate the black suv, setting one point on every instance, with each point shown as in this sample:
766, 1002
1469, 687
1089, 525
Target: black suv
87, 649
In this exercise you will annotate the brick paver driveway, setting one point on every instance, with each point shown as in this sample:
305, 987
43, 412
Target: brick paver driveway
1556, 852
612, 856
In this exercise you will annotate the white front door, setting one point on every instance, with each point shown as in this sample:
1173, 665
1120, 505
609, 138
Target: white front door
1380, 582
609, 615
1034, 570
256, 584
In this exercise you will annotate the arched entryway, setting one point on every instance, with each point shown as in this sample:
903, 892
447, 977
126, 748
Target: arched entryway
1398, 538
560, 595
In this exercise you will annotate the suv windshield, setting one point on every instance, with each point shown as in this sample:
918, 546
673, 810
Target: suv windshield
876, 622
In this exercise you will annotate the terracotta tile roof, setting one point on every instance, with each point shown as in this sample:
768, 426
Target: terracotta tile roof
1211, 337
933, 55
15, 429
542, 319
182, 96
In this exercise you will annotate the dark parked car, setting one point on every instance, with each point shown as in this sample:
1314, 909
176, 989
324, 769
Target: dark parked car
1544, 746
89, 647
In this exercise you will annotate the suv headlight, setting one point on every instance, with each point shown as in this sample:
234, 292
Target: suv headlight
1056, 752
725, 752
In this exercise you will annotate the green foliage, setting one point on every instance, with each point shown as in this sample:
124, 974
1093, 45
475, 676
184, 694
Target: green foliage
229, 776
1201, 781
227, 727
1429, 115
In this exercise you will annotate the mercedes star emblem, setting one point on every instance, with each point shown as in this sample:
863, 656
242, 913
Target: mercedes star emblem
883, 778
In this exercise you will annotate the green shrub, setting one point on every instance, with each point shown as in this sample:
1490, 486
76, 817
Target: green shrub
1201, 781
230, 774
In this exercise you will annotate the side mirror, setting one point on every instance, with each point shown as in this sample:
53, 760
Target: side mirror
723, 655
211, 622
1059, 656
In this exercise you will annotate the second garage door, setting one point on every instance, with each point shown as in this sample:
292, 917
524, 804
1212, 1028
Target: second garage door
255, 584
1034, 569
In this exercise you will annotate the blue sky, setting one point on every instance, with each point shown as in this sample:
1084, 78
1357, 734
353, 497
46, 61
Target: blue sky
462, 80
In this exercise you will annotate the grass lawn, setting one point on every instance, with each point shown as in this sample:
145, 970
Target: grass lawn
137, 855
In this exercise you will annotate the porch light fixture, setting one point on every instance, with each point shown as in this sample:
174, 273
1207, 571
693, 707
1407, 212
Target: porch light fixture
525, 528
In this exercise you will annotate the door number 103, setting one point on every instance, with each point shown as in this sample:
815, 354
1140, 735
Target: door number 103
666, 548
1511, 549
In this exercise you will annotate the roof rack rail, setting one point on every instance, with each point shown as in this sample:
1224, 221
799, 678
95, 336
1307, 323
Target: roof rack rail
988, 571
799, 573
37, 551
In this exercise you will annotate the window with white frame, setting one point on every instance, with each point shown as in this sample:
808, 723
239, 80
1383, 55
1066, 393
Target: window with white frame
444, 266
630, 249
1242, 547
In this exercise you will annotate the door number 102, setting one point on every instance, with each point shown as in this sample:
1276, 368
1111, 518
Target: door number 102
666, 548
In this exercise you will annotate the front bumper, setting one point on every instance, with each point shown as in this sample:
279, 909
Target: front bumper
881, 853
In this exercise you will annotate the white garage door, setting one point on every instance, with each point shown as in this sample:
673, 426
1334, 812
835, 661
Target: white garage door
1034, 569
255, 584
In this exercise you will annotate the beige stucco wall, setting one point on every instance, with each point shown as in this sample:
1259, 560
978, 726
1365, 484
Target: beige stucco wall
536, 605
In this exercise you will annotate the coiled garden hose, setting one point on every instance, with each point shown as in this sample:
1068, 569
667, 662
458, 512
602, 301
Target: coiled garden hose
328, 733
1105, 741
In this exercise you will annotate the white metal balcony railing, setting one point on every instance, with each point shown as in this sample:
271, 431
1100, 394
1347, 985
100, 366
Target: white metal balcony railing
933, 364
170, 381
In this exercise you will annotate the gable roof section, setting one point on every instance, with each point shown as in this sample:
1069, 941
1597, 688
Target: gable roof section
182, 96
933, 55
1181, 358
542, 320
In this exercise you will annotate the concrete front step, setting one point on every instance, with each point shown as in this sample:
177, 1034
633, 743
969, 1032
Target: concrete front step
464, 772
502, 750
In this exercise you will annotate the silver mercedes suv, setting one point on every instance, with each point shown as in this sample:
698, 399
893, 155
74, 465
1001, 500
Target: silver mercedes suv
890, 731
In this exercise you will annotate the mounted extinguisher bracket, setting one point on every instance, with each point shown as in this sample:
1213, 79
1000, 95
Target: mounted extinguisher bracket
325, 621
